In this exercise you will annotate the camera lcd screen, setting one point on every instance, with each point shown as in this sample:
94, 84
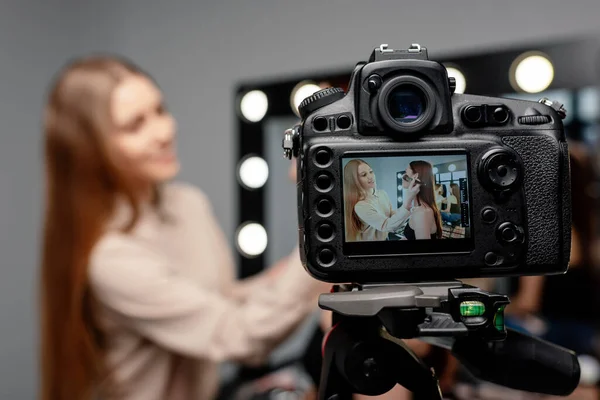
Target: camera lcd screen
406, 203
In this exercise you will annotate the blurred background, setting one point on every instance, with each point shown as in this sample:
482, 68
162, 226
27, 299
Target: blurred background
204, 55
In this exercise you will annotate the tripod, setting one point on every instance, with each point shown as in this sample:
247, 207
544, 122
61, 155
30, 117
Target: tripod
363, 352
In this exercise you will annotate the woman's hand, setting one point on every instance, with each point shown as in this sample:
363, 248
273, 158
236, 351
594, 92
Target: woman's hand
412, 191
276, 270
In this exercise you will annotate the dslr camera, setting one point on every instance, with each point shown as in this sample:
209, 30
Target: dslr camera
402, 180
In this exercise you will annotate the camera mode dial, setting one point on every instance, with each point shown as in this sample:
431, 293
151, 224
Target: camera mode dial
320, 99
500, 170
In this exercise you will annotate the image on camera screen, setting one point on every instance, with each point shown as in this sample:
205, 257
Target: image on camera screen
375, 188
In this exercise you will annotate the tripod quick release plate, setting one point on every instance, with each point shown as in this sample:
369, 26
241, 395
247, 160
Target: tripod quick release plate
410, 310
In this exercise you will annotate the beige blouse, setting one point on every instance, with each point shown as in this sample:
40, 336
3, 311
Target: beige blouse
378, 216
172, 308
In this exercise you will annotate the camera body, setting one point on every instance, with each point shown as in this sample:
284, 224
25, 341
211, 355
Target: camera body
502, 163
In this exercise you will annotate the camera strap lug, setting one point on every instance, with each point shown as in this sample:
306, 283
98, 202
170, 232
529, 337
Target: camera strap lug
557, 106
290, 143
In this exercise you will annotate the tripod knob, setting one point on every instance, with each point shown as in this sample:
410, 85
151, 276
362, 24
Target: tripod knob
359, 358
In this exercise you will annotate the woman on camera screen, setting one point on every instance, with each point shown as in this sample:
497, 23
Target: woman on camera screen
138, 294
369, 215
425, 220
440, 199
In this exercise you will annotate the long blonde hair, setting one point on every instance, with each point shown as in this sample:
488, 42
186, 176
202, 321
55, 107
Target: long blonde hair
353, 193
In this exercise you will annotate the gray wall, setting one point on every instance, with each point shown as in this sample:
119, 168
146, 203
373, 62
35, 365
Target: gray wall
198, 51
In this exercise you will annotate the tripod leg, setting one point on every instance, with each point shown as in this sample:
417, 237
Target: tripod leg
410, 370
333, 385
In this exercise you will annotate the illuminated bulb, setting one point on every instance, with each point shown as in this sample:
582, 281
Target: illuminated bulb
399, 176
252, 239
400, 200
399, 187
451, 167
254, 105
435, 170
532, 73
461, 81
253, 172
300, 92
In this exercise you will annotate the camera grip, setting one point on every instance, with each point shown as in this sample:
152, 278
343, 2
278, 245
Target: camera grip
541, 161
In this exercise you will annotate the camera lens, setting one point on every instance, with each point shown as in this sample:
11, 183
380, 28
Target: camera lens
406, 103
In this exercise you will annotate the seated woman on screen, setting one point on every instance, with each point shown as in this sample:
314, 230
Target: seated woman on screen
425, 221
451, 211
440, 199
368, 211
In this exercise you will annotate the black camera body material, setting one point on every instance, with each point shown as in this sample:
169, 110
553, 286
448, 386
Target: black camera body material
505, 162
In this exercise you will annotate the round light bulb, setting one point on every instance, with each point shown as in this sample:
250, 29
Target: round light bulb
532, 73
254, 105
252, 239
253, 172
435, 170
451, 167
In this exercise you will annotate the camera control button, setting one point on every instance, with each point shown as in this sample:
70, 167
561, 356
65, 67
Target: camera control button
322, 158
324, 208
323, 183
472, 114
492, 258
326, 257
500, 171
488, 215
325, 232
500, 115
343, 122
508, 233
374, 83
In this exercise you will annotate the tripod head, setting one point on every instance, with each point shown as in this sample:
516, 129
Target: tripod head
363, 352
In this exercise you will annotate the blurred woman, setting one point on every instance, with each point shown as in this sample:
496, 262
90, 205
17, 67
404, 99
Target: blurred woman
425, 221
138, 298
368, 211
